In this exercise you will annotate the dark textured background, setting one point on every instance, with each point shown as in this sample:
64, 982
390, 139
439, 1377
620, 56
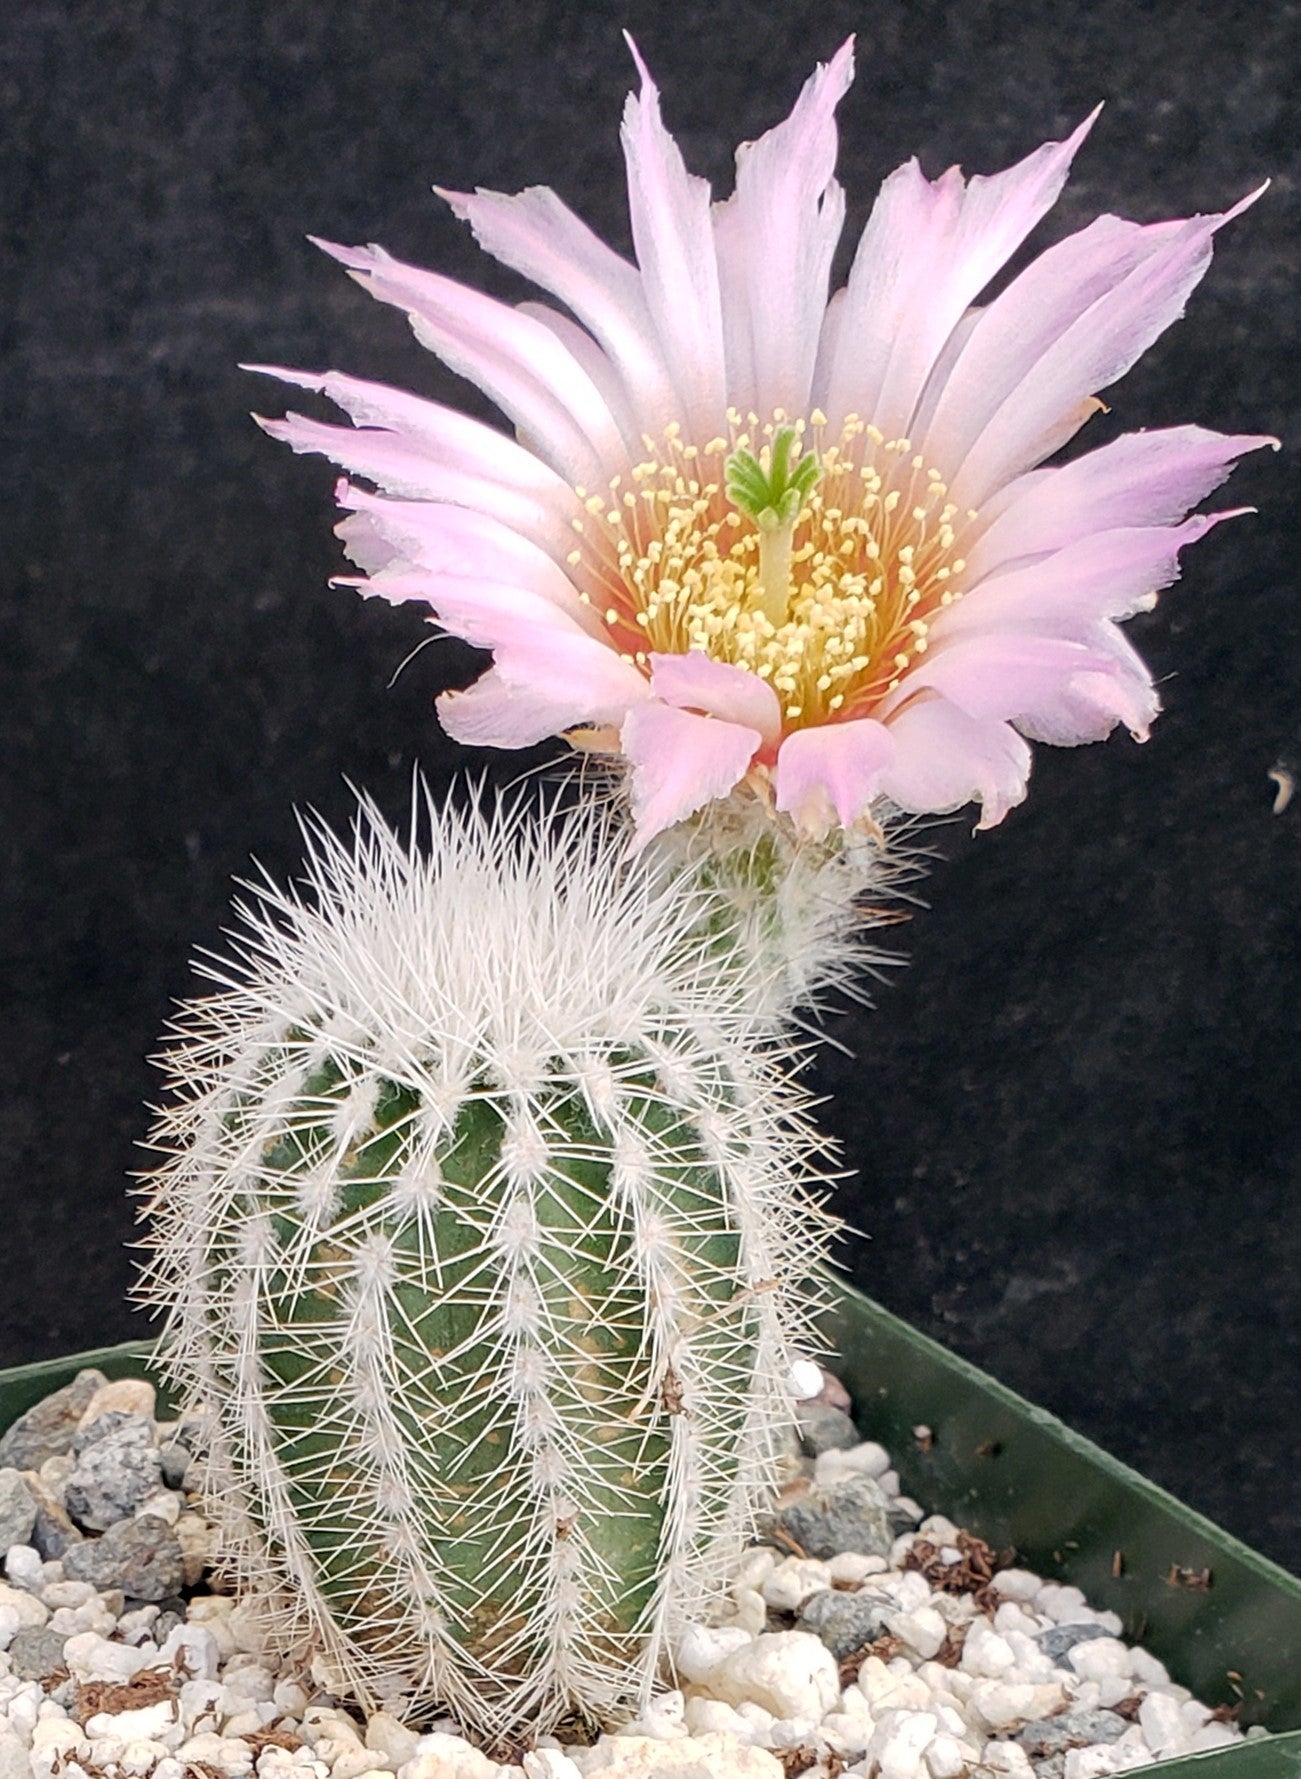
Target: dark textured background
1075, 1116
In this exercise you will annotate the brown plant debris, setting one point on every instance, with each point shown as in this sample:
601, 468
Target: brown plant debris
149, 1687
257, 1740
885, 1647
1199, 1580
978, 1563
795, 1761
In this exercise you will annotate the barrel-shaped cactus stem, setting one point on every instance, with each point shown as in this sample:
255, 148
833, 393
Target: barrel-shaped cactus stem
484, 1240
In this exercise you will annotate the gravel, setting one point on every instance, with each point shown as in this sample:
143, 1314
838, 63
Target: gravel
862, 1639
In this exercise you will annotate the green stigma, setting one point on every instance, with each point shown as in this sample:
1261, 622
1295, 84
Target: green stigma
772, 488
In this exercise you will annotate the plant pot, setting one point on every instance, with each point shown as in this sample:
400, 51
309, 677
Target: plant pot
1225, 1621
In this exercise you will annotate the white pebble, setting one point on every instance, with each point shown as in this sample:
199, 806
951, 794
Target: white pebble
899, 1742
385, 1734
1007, 1757
1092, 1762
889, 1481
748, 1611
67, 1593
1101, 1658
702, 1649
549, 1763
1010, 1615
126, 1395
140, 1757
805, 1380
868, 1459
793, 1581
886, 1689
945, 1757
1162, 1724
711, 1717
440, 1756
1007, 1704
913, 1591
1212, 1735
847, 1733
88, 1656
145, 1722
938, 1529
909, 1508
985, 1653
355, 1763
163, 1504
923, 1630
24, 1567
756, 1566
15, 1760
850, 1569
1063, 1605
1145, 1667
192, 1648
790, 1673
1016, 1584
29, 1610
638, 1757
57, 1734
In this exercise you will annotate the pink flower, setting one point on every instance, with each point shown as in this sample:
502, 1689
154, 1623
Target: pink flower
747, 533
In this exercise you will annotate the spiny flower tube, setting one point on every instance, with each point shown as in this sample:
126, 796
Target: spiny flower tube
751, 536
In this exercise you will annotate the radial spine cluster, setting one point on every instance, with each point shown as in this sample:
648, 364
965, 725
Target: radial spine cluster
483, 1240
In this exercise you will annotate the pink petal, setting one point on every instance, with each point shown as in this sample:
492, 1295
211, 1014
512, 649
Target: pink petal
1109, 575
441, 539
835, 769
674, 241
776, 238
1054, 689
944, 758
539, 236
1142, 479
542, 682
517, 363
490, 615
1006, 340
417, 448
926, 254
591, 359
680, 762
695, 681
1046, 404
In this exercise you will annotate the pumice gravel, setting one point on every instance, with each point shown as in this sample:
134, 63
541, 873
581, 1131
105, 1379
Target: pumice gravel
860, 1637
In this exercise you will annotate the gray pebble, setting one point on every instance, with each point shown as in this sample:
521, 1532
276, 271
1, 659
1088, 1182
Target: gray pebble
139, 1556
1076, 1729
848, 1515
48, 1428
845, 1621
824, 1429
175, 1461
171, 1615
17, 1510
52, 1530
114, 1474
36, 1653
1061, 1638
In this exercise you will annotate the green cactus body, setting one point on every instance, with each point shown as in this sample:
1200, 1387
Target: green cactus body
481, 1243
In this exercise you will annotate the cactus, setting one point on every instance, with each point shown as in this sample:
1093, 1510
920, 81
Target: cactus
483, 1239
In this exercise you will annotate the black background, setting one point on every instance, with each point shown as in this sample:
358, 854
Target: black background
1074, 1118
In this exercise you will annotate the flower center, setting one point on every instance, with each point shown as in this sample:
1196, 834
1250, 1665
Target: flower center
821, 573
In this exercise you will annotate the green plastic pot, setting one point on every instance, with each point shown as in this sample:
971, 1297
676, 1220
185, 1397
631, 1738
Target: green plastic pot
1225, 1621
